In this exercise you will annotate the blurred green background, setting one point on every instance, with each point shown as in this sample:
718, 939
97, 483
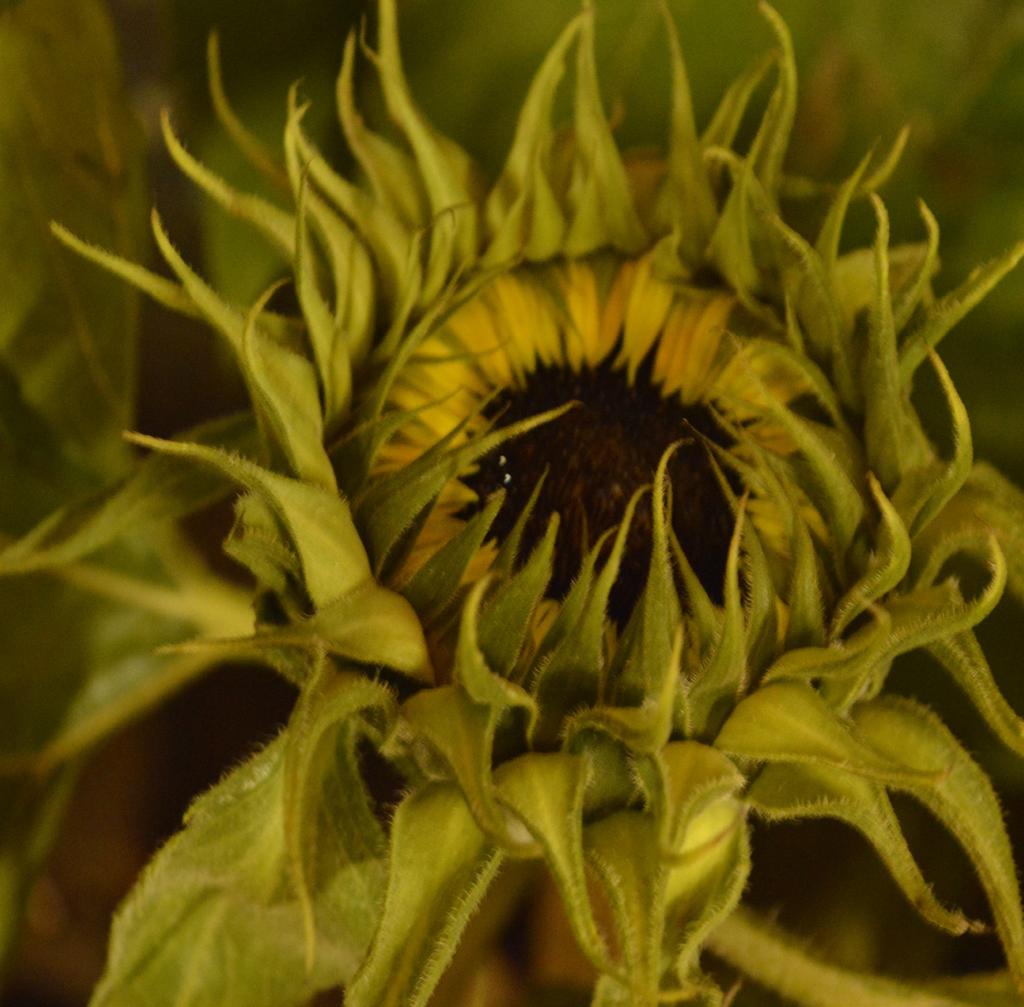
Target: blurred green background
953, 72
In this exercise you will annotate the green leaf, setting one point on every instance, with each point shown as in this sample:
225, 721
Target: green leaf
731, 246
281, 381
603, 213
277, 225
710, 869
571, 660
762, 602
783, 792
962, 656
76, 661
622, 850
681, 780
645, 728
505, 618
988, 989
545, 791
471, 670
772, 140
612, 784
887, 164
790, 722
827, 244
340, 338
522, 211
993, 501
687, 202
45, 473
258, 542
462, 733
330, 346
715, 688
441, 865
854, 659
319, 522
576, 602
806, 627
646, 648
924, 491
703, 838
810, 289
703, 612
609, 993
286, 399
391, 171
390, 507
433, 586
913, 291
509, 551
962, 798
160, 489
949, 310
162, 290
933, 613
255, 151
100, 669
370, 624
215, 918
831, 477
385, 235
884, 409
725, 122
444, 167
94, 703
890, 559
332, 713
72, 151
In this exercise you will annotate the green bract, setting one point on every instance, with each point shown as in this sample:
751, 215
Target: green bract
629, 759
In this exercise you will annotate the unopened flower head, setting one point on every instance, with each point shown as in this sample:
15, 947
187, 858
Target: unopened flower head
613, 478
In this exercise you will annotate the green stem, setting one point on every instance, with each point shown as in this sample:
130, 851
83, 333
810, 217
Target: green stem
213, 605
772, 958
214, 608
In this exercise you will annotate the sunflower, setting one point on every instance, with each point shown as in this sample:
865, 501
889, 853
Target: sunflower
598, 504
638, 360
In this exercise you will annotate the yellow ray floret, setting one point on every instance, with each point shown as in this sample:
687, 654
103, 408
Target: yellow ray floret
578, 315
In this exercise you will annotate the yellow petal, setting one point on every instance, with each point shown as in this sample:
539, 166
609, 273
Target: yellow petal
583, 325
646, 310
704, 345
614, 313
675, 352
477, 330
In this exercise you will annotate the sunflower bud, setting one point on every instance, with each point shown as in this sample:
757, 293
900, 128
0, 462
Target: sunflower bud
596, 502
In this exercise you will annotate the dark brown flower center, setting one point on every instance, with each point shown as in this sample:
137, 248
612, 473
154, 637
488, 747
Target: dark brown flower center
596, 456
